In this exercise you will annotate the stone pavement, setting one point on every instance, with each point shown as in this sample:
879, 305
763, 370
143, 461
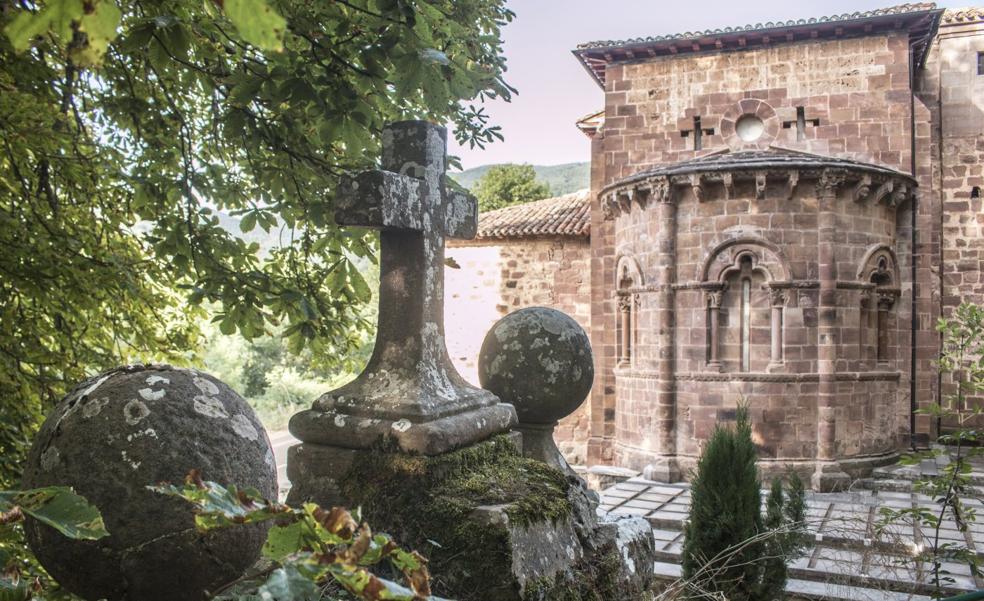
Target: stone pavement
851, 558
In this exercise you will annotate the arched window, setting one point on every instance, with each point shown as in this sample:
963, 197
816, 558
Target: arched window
879, 270
743, 281
628, 281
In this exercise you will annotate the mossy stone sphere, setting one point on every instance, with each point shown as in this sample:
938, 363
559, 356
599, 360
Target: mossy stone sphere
538, 359
136, 426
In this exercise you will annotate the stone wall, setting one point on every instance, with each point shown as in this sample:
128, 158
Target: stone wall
856, 102
498, 276
953, 91
858, 89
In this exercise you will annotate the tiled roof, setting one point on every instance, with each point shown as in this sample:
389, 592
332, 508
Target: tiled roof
963, 15
756, 160
567, 215
919, 19
891, 10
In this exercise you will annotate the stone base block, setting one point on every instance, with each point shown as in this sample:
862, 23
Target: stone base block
495, 525
663, 469
829, 477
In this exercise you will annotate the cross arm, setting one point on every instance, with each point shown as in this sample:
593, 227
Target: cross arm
380, 199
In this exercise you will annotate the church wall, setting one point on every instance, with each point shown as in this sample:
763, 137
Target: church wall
783, 401
857, 88
497, 277
954, 91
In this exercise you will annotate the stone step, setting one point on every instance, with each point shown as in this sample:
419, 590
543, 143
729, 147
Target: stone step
798, 589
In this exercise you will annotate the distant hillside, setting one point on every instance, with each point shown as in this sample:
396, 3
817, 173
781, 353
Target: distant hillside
563, 179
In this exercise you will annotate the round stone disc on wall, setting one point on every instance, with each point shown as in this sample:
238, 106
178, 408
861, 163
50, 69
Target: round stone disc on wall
136, 426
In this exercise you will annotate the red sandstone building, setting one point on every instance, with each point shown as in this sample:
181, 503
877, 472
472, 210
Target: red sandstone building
778, 216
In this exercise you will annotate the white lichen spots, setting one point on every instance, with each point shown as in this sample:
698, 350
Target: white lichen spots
630, 530
95, 385
243, 428
151, 380
269, 458
92, 408
402, 426
340, 421
151, 395
210, 407
134, 411
149, 432
207, 387
133, 463
570, 552
50, 459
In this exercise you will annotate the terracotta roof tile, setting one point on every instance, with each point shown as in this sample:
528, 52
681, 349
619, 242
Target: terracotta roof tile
891, 10
567, 215
963, 15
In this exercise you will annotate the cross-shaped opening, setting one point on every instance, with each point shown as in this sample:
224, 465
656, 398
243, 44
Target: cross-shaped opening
698, 133
801, 123
980, 63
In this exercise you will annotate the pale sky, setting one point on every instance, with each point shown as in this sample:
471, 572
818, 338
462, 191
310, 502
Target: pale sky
555, 90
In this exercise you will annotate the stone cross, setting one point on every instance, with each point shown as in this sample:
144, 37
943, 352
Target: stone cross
409, 391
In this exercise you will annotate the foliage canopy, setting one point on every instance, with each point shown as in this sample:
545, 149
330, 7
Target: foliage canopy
128, 127
507, 185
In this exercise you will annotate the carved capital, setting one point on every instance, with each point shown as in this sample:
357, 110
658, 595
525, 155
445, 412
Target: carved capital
778, 297
660, 189
885, 300
714, 298
625, 302
866, 295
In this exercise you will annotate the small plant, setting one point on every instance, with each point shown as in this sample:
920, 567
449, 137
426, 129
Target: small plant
962, 357
56, 506
309, 547
731, 551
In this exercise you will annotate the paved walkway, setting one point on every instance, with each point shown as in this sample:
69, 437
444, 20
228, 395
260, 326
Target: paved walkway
850, 554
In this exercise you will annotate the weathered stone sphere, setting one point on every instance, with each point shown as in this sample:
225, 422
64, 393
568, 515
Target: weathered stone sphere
538, 359
136, 426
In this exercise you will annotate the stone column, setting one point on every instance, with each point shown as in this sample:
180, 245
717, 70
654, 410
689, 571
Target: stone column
885, 302
665, 468
777, 298
828, 475
625, 303
713, 329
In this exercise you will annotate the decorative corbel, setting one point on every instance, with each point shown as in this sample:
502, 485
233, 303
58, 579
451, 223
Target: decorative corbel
641, 196
760, 185
791, 184
830, 180
609, 208
899, 195
883, 191
697, 186
862, 189
623, 200
729, 185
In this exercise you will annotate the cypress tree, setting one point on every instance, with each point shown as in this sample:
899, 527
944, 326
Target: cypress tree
721, 555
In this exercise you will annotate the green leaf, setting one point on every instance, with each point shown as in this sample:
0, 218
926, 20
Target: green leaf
56, 17
100, 26
288, 584
248, 222
14, 591
257, 22
285, 540
60, 508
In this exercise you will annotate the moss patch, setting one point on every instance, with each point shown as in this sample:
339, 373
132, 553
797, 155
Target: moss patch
426, 502
595, 580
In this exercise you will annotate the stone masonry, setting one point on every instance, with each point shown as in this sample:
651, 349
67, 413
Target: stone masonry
691, 157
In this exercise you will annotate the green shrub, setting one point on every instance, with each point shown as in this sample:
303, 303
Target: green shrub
730, 549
